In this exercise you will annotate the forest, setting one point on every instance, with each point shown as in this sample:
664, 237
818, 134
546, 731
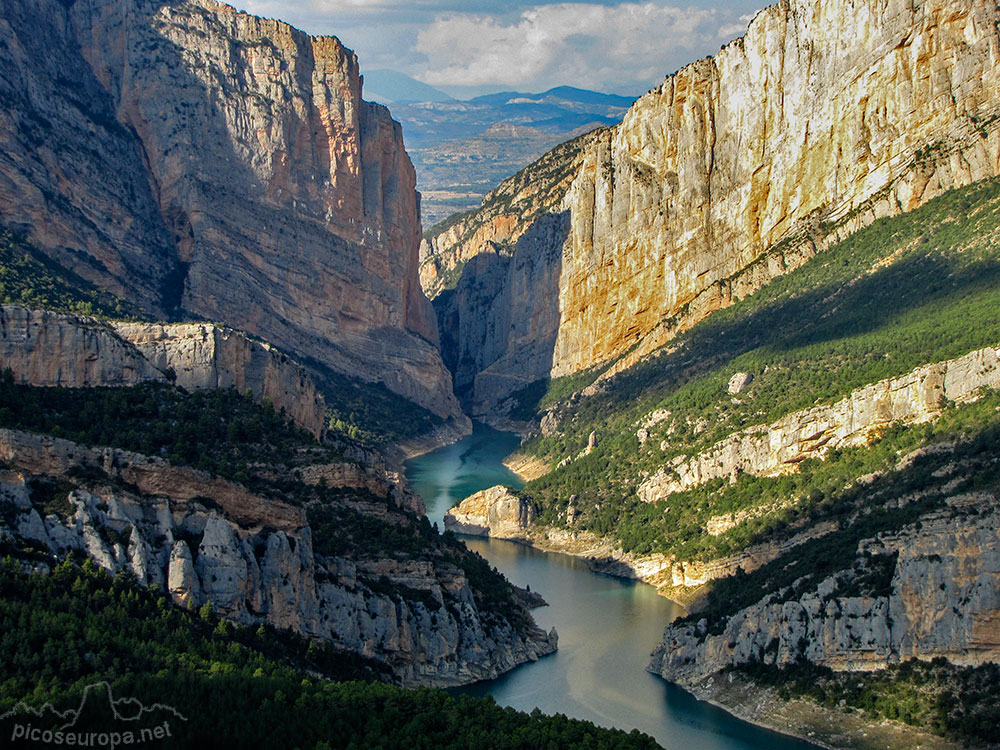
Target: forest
238, 687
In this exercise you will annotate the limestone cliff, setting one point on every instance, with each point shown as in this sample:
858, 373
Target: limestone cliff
254, 559
496, 512
206, 162
943, 599
736, 169
54, 349
506, 213
777, 448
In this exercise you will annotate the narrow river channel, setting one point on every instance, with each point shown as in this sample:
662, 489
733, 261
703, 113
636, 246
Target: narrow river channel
607, 627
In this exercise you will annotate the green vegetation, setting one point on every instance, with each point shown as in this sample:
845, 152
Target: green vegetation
228, 434
917, 288
339, 530
29, 278
547, 392
885, 504
369, 412
220, 431
820, 489
962, 703
245, 687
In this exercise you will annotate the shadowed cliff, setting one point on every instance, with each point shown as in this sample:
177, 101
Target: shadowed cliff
215, 165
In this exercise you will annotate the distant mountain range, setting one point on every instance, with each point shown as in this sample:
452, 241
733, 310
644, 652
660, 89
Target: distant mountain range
462, 148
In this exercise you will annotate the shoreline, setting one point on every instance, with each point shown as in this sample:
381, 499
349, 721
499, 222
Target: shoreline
442, 435
800, 718
733, 693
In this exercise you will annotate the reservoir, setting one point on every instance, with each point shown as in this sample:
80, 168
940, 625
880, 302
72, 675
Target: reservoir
607, 626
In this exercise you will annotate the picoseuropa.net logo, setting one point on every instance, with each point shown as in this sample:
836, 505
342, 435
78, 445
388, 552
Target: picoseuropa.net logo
99, 721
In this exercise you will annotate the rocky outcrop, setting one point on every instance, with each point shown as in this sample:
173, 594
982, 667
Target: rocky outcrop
54, 349
943, 600
505, 215
497, 512
202, 161
49, 456
738, 168
199, 356
252, 560
777, 448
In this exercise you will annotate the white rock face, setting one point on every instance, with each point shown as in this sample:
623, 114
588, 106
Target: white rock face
944, 601
182, 580
254, 562
495, 512
222, 568
774, 449
738, 382
47, 348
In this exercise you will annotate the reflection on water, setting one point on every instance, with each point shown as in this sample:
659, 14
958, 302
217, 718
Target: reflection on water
607, 626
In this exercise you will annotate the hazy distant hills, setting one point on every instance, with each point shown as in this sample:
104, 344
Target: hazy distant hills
462, 148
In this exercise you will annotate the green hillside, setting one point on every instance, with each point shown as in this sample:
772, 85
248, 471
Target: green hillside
906, 291
29, 278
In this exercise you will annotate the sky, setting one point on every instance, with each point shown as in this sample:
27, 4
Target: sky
472, 47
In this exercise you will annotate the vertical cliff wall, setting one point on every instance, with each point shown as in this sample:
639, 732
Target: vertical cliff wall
46, 348
824, 117
223, 165
941, 600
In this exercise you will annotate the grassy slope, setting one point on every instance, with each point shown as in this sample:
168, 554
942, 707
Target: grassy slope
909, 290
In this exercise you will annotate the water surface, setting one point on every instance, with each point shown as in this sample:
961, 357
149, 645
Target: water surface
607, 626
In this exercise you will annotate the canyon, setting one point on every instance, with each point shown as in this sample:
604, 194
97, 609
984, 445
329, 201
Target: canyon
224, 174
736, 169
208, 164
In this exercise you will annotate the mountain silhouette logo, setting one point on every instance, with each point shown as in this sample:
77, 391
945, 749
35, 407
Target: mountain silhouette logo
100, 720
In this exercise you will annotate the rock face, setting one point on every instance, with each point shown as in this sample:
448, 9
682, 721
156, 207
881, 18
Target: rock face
203, 161
252, 559
738, 168
495, 512
503, 216
54, 349
944, 600
738, 382
777, 448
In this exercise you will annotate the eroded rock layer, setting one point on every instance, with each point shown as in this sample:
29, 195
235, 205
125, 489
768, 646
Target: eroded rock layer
496, 512
942, 599
200, 160
824, 117
208, 540
46, 348
778, 448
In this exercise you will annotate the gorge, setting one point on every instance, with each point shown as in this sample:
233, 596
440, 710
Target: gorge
742, 346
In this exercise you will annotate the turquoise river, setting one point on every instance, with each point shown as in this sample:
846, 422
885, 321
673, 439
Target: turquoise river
607, 626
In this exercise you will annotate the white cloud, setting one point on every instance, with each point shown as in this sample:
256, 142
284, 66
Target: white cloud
593, 46
738, 28
469, 47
